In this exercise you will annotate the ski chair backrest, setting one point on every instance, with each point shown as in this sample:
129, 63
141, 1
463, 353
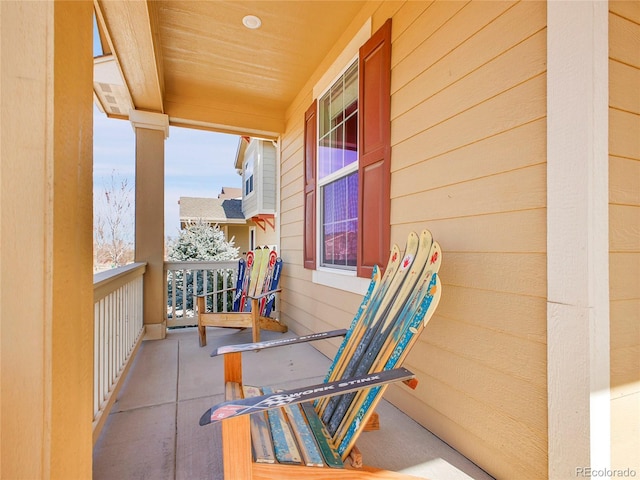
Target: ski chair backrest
257, 281
395, 309
258, 274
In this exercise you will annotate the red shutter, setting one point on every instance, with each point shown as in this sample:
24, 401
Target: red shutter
374, 229
310, 143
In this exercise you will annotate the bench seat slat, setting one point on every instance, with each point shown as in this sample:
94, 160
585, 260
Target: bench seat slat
284, 444
330, 455
260, 434
306, 441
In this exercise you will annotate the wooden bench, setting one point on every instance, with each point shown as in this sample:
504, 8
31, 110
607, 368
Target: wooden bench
255, 290
294, 432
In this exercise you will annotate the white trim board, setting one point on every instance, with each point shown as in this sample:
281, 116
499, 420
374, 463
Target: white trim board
579, 413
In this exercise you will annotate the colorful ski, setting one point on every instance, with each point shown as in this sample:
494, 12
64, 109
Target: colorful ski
242, 265
246, 280
234, 408
377, 336
260, 268
247, 347
266, 282
275, 279
373, 284
377, 288
418, 307
408, 337
378, 311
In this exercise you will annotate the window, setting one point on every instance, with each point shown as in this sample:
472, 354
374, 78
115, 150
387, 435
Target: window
338, 171
347, 158
248, 177
252, 238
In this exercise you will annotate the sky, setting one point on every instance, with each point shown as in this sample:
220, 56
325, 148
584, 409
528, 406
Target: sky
197, 163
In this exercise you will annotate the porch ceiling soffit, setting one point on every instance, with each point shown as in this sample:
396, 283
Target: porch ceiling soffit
129, 27
197, 63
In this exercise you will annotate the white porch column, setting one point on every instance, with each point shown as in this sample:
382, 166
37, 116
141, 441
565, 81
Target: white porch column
151, 131
577, 238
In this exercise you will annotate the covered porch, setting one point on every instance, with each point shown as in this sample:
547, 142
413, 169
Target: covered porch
153, 432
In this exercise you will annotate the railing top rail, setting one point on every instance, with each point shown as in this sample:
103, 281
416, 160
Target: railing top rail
201, 265
109, 280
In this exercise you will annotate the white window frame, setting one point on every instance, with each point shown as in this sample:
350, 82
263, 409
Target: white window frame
337, 175
252, 177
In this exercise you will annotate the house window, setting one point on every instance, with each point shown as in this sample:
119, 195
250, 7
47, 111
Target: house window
338, 171
248, 177
347, 166
252, 238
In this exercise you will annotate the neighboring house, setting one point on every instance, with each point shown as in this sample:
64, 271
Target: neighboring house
224, 211
245, 214
256, 161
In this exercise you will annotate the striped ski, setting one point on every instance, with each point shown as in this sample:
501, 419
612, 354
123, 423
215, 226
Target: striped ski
379, 335
242, 266
246, 280
418, 305
398, 290
275, 279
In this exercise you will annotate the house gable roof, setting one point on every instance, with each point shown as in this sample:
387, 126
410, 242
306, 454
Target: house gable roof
212, 210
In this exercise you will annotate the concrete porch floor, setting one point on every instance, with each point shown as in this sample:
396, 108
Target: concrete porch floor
153, 432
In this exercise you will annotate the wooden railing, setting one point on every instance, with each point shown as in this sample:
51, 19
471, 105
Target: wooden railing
186, 280
118, 331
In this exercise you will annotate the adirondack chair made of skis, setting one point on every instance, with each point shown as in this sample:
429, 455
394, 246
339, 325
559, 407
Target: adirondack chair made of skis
255, 291
292, 433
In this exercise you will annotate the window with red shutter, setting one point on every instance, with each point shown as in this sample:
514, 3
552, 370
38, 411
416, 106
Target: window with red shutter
347, 165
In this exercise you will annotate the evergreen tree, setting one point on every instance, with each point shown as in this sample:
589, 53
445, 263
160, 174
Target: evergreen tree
201, 241
204, 242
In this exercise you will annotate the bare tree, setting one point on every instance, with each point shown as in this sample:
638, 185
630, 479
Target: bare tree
113, 223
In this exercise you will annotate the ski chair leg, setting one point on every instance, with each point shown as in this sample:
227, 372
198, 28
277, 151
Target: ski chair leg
251, 319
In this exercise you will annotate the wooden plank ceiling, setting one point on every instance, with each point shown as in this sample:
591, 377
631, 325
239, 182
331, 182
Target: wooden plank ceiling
196, 62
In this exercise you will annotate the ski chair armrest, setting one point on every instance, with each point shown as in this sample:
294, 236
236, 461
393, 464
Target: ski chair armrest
247, 347
264, 294
206, 294
236, 408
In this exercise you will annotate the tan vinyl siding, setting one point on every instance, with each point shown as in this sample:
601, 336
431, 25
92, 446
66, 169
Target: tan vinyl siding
468, 113
468, 142
624, 231
268, 178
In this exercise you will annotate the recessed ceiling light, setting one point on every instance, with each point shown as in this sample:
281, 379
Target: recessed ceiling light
252, 22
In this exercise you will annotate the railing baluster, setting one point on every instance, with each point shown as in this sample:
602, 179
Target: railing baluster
217, 270
118, 326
